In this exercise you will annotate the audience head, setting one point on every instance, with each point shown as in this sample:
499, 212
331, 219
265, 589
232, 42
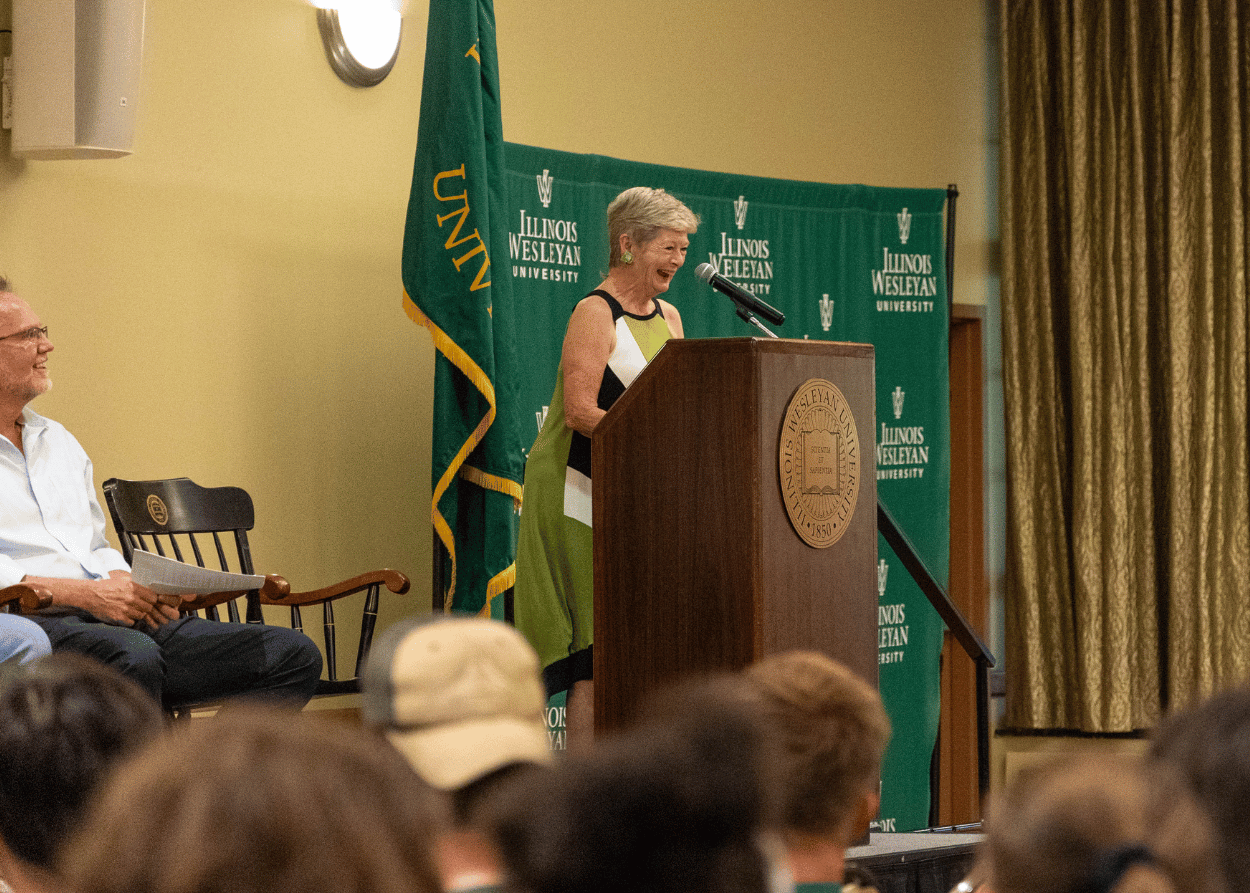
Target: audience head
640, 213
65, 720
831, 731
1098, 824
462, 699
675, 804
1209, 745
259, 802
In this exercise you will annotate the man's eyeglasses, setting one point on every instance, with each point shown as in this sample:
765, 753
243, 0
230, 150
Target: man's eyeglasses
28, 336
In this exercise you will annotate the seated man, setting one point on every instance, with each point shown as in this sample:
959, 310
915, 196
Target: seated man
52, 533
831, 730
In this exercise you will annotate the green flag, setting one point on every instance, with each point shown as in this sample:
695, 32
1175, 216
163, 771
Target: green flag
456, 227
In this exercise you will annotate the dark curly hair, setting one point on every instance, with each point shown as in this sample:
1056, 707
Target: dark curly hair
65, 720
673, 806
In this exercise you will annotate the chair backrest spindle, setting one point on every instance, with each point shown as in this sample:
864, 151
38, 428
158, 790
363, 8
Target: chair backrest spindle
195, 549
221, 552
368, 621
331, 659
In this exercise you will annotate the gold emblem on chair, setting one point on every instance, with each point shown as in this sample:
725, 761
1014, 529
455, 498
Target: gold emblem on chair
819, 462
157, 509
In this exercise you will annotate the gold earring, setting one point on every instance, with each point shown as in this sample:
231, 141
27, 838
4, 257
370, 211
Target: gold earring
627, 257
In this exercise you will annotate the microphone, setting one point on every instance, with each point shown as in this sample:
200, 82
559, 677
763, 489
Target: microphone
738, 294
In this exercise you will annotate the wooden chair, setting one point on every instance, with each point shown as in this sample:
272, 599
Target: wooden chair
23, 598
176, 517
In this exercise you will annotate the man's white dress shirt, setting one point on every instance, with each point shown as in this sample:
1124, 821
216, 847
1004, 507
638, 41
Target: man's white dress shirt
51, 524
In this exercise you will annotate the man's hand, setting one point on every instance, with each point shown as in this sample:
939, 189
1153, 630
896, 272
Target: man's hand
123, 597
117, 600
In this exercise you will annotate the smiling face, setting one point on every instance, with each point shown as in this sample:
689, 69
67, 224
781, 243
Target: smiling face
23, 360
657, 261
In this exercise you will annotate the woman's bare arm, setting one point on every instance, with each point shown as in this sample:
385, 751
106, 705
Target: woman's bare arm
588, 342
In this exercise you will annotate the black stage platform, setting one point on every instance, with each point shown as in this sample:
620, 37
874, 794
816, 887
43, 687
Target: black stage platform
919, 862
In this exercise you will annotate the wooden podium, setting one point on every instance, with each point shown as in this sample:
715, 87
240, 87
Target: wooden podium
697, 564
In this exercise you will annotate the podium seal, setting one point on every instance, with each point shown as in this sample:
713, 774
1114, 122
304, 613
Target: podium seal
818, 459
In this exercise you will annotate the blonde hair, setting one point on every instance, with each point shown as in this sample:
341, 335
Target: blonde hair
640, 213
831, 728
1098, 823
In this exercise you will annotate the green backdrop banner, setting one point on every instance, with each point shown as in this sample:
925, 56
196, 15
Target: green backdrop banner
844, 263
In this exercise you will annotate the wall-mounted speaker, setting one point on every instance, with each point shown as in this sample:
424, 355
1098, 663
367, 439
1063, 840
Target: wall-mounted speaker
76, 77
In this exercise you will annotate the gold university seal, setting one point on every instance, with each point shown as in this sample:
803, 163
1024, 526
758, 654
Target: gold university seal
819, 460
156, 508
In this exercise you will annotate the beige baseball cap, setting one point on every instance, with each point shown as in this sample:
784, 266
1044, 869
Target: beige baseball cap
459, 696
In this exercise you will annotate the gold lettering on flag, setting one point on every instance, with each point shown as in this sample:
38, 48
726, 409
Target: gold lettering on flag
454, 240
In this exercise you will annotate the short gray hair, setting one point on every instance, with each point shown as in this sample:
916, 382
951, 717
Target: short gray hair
640, 213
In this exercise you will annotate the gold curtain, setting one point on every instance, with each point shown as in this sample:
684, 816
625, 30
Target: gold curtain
1124, 200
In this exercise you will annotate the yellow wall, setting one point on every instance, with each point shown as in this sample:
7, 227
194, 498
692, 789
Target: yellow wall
225, 303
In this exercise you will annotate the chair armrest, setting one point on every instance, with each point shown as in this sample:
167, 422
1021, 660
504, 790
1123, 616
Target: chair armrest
29, 598
274, 587
208, 600
393, 580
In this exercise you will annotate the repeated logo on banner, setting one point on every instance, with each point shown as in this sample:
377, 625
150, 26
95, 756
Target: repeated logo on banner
901, 450
844, 263
746, 261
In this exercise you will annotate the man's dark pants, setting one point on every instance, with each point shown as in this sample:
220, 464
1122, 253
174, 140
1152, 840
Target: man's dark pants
192, 660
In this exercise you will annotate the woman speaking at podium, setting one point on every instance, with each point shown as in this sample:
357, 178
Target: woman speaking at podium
613, 333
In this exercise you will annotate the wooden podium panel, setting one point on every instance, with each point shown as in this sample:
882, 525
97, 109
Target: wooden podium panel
697, 566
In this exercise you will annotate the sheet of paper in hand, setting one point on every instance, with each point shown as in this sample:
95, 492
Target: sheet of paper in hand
168, 577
